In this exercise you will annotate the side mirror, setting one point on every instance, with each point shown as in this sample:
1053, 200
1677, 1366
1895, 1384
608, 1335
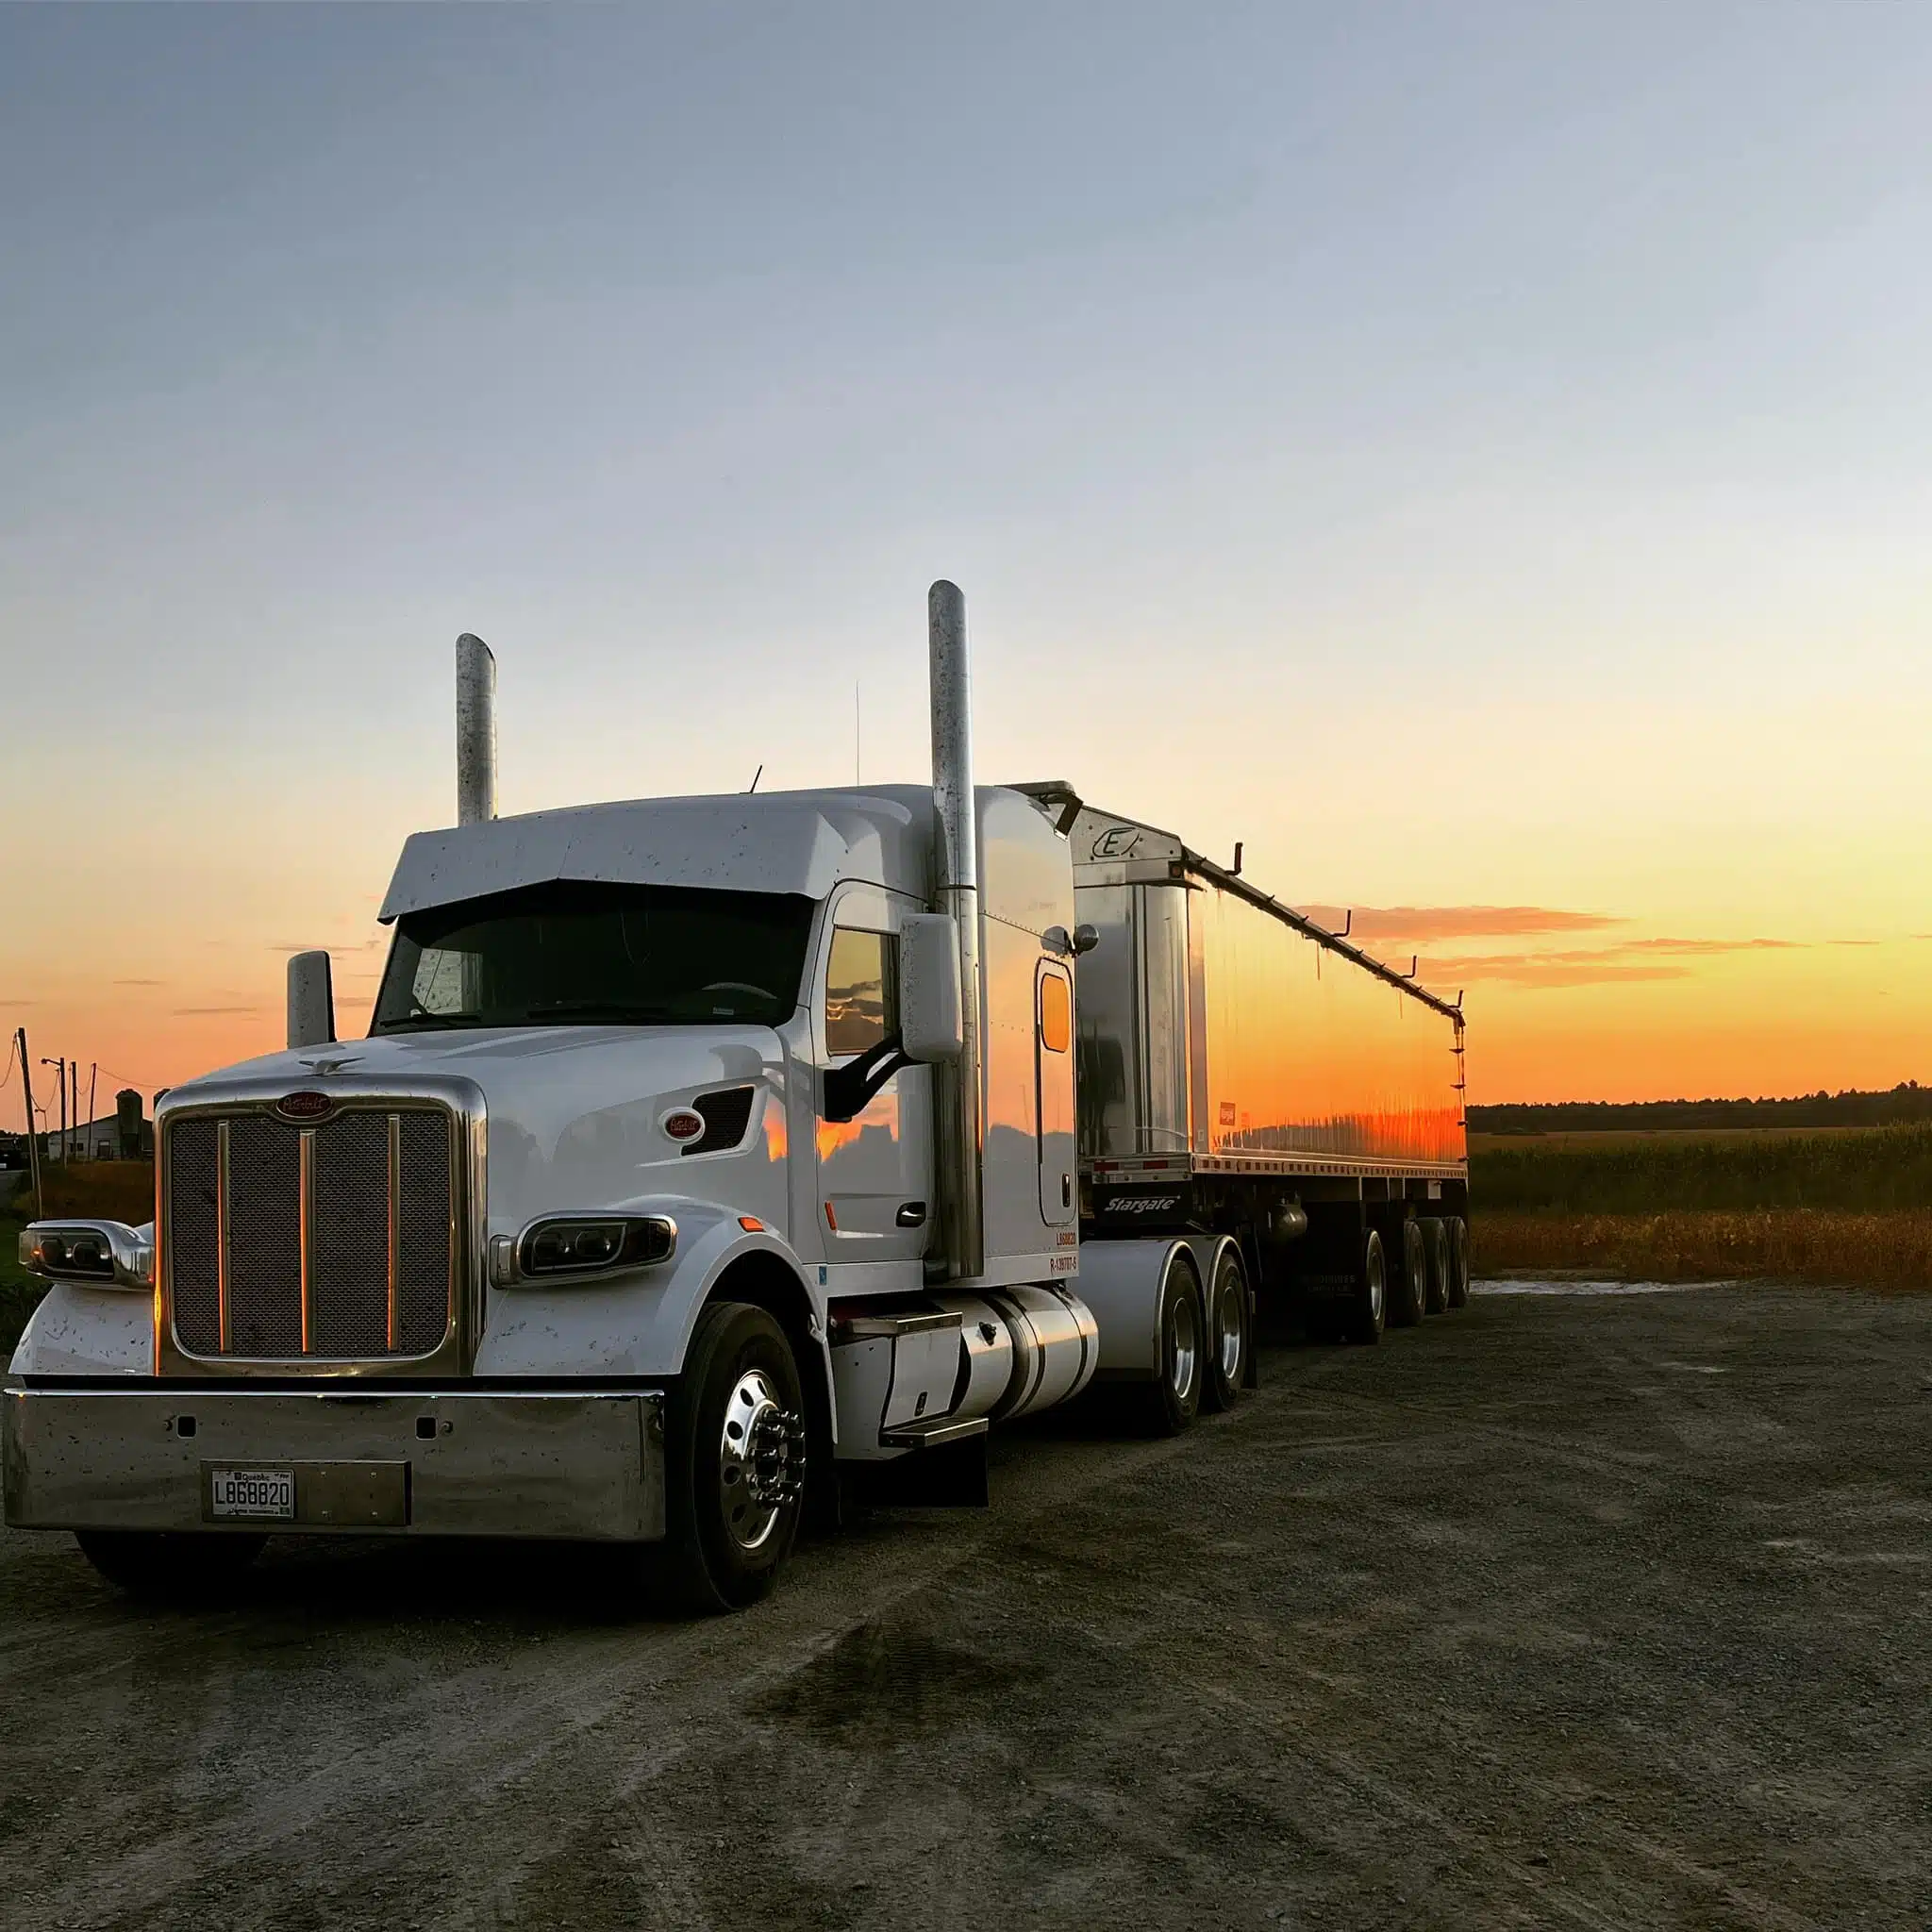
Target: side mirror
930, 1024
311, 1001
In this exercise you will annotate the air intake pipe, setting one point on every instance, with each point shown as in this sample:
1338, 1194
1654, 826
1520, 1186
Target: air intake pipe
476, 731
956, 880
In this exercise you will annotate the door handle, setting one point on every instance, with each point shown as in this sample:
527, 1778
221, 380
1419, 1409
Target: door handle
912, 1214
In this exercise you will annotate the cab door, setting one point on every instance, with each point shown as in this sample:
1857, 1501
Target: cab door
1053, 1057
875, 1170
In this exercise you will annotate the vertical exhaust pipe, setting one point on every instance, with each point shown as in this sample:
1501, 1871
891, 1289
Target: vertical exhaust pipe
476, 731
956, 883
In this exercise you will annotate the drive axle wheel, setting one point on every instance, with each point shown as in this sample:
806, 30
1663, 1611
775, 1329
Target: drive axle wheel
1229, 1333
169, 1563
735, 1441
1172, 1399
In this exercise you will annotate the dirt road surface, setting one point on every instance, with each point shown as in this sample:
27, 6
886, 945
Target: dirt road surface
1565, 1611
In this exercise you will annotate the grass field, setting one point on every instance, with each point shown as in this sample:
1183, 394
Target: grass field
1847, 1204
1829, 1205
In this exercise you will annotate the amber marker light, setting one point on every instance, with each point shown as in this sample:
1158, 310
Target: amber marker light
751, 1224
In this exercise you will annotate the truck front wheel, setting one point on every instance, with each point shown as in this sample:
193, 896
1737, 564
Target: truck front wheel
734, 1460
169, 1563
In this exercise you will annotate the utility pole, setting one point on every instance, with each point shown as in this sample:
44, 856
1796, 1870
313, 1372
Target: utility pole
94, 1073
59, 1067
33, 1141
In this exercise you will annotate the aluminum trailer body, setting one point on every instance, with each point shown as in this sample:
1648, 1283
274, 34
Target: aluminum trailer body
1247, 1073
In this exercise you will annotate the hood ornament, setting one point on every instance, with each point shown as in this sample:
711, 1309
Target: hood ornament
325, 1064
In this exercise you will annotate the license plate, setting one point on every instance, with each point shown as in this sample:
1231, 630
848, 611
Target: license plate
265, 1494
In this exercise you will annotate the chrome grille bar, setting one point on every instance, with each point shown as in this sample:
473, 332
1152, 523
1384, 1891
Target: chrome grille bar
226, 1328
305, 1221
395, 1228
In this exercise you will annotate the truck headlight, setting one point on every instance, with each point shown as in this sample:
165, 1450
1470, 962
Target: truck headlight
577, 1244
102, 1254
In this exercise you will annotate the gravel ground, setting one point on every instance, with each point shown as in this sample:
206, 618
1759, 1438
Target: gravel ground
1568, 1610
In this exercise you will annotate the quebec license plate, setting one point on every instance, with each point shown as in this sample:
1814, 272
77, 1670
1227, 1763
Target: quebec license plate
259, 1494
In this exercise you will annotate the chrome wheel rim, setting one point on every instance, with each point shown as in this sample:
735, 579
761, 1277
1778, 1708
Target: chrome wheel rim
1183, 1347
1377, 1284
1230, 1312
760, 1461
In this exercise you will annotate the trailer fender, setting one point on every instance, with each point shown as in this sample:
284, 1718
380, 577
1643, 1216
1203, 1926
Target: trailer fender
1122, 1282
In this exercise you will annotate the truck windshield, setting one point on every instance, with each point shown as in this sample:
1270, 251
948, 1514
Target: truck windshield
549, 955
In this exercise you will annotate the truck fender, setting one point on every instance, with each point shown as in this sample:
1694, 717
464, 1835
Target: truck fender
779, 1261
1122, 1282
77, 1330
639, 1323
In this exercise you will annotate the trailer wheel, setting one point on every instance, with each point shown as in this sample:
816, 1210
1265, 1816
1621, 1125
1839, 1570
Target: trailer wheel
735, 1460
1411, 1285
1436, 1245
1171, 1401
1229, 1333
1459, 1262
1369, 1308
169, 1563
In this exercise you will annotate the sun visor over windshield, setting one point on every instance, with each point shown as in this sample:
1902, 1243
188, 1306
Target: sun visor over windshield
778, 843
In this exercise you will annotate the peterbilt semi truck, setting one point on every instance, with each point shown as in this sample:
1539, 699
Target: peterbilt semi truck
707, 1158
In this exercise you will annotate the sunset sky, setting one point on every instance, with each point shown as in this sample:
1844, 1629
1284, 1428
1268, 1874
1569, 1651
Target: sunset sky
1477, 457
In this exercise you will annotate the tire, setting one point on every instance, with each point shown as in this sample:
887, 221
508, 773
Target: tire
1170, 1403
179, 1564
1457, 1291
734, 1445
1230, 1333
1370, 1307
1410, 1290
1436, 1245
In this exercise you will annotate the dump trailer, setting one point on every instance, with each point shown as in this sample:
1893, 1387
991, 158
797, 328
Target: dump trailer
709, 1158
1246, 1072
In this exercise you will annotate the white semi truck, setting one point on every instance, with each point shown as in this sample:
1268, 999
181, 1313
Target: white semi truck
705, 1153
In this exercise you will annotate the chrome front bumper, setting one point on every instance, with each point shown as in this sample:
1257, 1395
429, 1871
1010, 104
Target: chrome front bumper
489, 1463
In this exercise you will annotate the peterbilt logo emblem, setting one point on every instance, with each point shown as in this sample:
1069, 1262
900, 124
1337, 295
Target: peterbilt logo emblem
1142, 1203
1117, 841
305, 1107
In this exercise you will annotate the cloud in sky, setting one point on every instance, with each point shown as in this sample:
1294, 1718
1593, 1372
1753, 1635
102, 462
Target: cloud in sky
1454, 922
1628, 960
209, 1012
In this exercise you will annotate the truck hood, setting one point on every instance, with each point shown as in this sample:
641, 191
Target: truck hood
575, 1113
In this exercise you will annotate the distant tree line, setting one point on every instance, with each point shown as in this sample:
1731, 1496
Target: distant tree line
1902, 1105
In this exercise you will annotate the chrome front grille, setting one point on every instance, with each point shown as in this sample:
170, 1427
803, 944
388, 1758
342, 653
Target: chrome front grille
336, 1241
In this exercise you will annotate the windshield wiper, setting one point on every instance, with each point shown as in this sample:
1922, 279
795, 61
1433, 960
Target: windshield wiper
404, 1023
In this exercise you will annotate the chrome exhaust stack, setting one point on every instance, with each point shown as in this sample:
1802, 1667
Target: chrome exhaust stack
955, 882
476, 731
